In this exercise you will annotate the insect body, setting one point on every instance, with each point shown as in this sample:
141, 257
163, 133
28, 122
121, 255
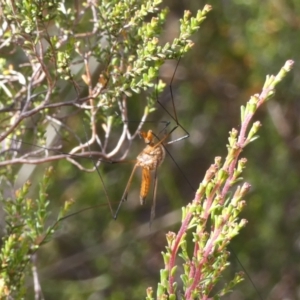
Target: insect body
149, 160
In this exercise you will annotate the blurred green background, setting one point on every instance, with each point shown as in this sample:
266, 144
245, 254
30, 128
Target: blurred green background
95, 257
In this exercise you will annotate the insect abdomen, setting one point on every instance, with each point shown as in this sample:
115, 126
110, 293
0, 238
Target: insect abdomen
145, 186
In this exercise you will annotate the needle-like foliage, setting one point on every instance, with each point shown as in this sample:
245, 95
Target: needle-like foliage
25, 231
64, 62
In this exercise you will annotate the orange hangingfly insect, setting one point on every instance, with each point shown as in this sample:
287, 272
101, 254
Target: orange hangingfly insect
149, 160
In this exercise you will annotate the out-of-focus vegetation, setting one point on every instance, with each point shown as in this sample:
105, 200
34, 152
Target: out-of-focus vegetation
96, 257
241, 41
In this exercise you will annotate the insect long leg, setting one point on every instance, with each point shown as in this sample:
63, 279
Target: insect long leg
152, 214
124, 197
174, 117
100, 176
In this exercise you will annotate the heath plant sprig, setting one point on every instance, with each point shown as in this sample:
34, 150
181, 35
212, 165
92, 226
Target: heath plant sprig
212, 218
25, 231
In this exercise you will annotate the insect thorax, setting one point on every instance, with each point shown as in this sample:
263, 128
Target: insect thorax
151, 157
